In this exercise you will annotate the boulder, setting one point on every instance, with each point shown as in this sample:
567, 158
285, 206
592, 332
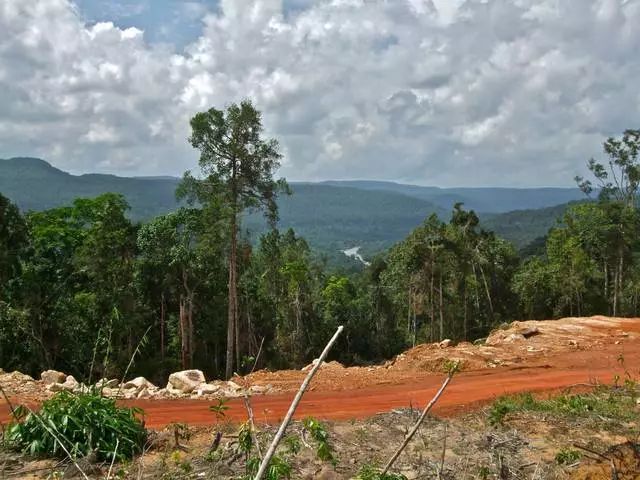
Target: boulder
529, 332
208, 389
104, 383
20, 377
52, 376
445, 343
138, 383
69, 385
186, 381
233, 386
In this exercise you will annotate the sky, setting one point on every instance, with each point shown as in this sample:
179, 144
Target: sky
431, 92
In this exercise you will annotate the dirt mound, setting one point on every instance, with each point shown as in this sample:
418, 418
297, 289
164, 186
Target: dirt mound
517, 345
624, 464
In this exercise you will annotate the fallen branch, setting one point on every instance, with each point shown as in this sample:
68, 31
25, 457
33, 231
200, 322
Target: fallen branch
294, 404
614, 470
415, 428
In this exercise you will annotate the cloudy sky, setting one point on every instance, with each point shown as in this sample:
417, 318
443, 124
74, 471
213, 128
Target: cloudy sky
434, 92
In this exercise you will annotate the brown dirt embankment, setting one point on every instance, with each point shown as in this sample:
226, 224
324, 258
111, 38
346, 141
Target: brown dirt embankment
525, 356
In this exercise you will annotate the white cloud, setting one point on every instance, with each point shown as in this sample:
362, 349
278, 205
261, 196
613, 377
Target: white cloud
503, 92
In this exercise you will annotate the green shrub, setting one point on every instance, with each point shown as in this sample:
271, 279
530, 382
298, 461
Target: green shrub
85, 423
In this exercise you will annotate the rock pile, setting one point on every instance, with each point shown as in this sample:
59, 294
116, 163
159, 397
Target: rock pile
186, 384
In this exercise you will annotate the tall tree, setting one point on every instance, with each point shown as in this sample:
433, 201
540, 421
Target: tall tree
238, 165
13, 241
621, 179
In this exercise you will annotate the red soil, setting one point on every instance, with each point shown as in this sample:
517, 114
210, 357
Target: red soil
337, 395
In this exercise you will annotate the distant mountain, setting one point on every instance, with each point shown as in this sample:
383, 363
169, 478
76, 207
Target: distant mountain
333, 216
480, 199
524, 227
341, 217
330, 217
36, 185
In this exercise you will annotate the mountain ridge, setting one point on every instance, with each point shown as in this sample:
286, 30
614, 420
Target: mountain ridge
332, 215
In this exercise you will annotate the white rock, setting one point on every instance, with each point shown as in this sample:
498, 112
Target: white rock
82, 388
259, 389
445, 343
69, 385
208, 389
137, 383
52, 376
104, 383
186, 381
233, 385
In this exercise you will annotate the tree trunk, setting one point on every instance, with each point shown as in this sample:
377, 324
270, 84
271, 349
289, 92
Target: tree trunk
441, 311
465, 319
183, 336
486, 288
606, 282
191, 347
231, 309
432, 305
620, 276
162, 326
615, 293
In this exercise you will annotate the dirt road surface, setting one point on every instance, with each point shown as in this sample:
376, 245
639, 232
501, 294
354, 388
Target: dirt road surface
548, 356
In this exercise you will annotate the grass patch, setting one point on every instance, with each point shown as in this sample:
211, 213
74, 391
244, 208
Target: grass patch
605, 403
87, 424
567, 456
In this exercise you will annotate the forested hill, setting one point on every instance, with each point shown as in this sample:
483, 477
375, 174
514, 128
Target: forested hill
481, 199
34, 184
331, 215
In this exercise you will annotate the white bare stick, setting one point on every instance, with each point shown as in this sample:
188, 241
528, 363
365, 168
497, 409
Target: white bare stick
113, 460
419, 422
294, 404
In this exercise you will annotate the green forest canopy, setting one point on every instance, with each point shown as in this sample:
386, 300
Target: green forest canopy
85, 277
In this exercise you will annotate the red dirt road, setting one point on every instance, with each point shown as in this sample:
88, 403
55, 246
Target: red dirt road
467, 392
346, 394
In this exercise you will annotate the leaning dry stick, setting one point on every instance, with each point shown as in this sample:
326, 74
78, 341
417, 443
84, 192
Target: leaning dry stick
6, 399
113, 460
252, 423
419, 422
283, 426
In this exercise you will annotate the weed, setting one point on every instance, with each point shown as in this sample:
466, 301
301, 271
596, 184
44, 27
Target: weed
369, 473
361, 435
320, 435
220, 409
609, 402
245, 439
279, 468
484, 472
292, 444
87, 423
567, 456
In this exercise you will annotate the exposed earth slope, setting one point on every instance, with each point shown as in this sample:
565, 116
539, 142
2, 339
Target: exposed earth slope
525, 356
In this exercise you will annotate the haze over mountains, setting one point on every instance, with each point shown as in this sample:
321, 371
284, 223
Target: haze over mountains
331, 215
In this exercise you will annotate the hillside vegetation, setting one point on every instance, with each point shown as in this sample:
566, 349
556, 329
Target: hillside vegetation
332, 216
82, 283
